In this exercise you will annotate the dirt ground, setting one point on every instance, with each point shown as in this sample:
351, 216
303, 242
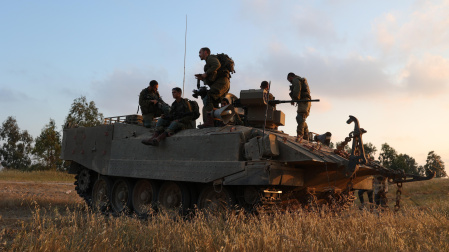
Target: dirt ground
18, 200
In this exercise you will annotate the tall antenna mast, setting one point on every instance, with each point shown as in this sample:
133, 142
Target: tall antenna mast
185, 50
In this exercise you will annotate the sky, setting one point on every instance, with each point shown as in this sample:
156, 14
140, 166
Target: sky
384, 62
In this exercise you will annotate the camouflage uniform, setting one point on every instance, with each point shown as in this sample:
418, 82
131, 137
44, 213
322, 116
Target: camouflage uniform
217, 81
179, 118
300, 90
149, 109
380, 187
268, 97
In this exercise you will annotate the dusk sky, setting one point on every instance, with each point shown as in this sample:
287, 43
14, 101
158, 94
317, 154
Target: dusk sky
384, 62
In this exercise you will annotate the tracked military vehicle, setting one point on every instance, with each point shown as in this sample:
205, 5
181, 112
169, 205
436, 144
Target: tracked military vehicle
248, 166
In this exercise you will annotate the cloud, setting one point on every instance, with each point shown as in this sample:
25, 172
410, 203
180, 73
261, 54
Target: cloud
314, 24
384, 32
260, 12
423, 27
291, 20
8, 96
428, 76
118, 93
352, 76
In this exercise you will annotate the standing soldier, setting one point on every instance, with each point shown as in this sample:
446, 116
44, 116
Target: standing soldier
380, 187
151, 103
179, 118
299, 90
217, 78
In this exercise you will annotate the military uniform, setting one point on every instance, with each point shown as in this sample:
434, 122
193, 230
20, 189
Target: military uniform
380, 187
217, 81
149, 109
179, 118
301, 91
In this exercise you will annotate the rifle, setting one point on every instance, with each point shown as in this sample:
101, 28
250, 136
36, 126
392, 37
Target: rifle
273, 102
200, 91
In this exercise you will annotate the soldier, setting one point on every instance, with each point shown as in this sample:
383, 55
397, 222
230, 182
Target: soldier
380, 186
151, 103
265, 85
361, 198
300, 91
218, 81
179, 118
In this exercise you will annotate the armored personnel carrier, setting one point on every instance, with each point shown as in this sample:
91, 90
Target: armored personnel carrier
248, 165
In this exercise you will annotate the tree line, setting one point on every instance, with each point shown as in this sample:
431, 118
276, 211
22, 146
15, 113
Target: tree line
390, 158
20, 151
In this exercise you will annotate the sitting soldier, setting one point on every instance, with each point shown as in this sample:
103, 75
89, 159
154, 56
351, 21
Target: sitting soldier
151, 103
179, 118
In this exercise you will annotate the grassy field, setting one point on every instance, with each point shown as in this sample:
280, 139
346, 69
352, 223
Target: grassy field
422, 224
36, 176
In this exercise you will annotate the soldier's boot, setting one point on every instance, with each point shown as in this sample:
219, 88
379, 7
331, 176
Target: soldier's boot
306, 132
299, 137
208, 121
160, 138
149, 141
306, 136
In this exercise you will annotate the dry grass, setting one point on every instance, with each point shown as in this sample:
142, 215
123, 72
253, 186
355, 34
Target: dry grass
411, 230
420, 225
36, 176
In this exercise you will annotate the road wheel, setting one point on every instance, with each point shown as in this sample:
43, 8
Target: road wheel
144, 196
216, 199
83, 181
174, 195
121, 196
100, 194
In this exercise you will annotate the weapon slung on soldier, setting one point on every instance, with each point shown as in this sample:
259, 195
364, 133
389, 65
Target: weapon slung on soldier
273, 102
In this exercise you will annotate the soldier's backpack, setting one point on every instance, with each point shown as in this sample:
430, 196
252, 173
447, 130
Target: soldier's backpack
227, 64
195, 109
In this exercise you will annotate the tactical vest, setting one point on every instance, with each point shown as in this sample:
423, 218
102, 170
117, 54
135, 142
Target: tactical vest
305, 91
146, 96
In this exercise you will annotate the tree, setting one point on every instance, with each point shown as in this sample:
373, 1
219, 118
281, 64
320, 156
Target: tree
406, 163
434, 163
346, 148
387, 155
370, 149
16, 147
83, 113
48, 147
421, 170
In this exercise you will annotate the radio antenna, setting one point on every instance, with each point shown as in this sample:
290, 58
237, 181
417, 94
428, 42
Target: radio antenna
185, 50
